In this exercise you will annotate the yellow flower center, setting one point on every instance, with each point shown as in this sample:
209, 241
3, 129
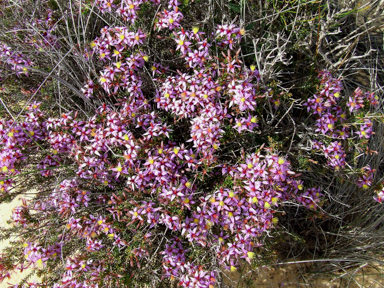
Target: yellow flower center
311, 206
300, 187
39, 263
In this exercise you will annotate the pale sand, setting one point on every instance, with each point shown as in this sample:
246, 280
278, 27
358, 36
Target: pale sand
5, 215
294, 275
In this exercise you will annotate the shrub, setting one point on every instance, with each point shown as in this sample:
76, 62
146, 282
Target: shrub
161, 146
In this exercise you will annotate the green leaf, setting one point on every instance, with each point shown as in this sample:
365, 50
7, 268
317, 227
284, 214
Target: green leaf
234, 7
250, 26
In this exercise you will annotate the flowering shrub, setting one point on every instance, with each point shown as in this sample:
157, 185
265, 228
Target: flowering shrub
173, 175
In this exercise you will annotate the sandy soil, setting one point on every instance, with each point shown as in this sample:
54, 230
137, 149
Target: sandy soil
294, 275
6, 214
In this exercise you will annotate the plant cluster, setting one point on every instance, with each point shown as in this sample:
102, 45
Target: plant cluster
168, 171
